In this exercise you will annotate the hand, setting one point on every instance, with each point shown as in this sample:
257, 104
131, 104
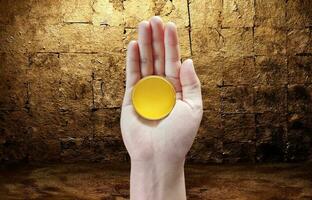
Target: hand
160, 146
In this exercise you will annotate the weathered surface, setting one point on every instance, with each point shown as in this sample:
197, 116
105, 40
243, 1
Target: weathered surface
271, 133
205, 13
62, 77
239, 71
238, 13
269, 41
270, 19
176, 11
298, 13
271, 70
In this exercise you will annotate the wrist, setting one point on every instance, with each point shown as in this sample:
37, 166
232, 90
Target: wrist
157, 179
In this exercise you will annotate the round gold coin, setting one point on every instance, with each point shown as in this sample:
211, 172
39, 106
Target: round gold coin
153, 97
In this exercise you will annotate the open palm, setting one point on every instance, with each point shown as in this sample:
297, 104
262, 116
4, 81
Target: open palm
157, 53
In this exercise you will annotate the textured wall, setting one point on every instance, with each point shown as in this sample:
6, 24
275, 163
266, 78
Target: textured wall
62, 77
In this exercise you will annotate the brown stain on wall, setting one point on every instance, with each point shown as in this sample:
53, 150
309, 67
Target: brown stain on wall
62, 77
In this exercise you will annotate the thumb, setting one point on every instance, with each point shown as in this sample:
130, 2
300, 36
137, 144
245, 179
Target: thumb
191, 88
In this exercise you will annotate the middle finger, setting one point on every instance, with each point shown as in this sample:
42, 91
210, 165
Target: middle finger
146, 49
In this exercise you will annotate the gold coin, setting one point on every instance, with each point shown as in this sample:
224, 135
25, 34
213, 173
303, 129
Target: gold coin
153, 97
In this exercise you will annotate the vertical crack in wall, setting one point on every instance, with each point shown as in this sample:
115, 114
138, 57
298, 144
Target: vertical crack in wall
102, 88
93, 108
189, 26
123, 16
92, 3
222, 126
287, 95
27, 102
254, 63
124, 49
221, 112
253, 28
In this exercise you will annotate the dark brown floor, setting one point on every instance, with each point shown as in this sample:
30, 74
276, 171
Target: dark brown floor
98, 181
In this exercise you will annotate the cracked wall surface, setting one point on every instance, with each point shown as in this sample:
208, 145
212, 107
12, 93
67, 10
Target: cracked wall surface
62, 77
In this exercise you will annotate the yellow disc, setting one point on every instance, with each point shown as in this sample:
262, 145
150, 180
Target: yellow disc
153, 97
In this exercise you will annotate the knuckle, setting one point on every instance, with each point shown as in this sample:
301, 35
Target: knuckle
145, 60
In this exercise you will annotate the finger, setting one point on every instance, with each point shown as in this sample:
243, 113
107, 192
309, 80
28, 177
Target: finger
172, 54
146, 49
191, 89
158, 45
133, 72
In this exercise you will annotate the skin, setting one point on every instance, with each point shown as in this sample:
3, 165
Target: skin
158, 148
